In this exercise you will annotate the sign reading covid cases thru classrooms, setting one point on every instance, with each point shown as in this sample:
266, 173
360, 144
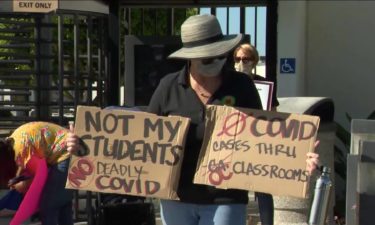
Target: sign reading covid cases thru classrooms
256, 150
128, 152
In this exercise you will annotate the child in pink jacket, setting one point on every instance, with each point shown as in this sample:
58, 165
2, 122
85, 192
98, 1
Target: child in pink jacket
39, 150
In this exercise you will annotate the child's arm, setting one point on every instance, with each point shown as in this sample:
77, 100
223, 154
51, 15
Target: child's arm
30, 202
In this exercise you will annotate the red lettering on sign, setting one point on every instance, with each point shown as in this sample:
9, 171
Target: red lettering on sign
237, 124
216, 172
80, 172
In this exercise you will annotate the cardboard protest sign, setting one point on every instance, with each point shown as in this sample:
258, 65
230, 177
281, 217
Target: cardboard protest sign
256, 150
128, 152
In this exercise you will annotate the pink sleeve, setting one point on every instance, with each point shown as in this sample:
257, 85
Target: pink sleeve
30, 202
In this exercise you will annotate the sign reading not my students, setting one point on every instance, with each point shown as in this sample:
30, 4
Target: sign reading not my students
128, 152
256, 150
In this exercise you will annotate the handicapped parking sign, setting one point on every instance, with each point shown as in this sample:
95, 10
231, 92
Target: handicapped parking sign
287, 65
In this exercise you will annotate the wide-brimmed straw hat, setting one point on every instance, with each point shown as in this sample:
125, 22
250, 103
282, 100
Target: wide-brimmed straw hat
202, 37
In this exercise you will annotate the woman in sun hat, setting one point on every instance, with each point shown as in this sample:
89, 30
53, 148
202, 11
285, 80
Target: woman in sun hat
204, 80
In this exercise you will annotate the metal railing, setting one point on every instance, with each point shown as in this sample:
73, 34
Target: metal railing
50, 63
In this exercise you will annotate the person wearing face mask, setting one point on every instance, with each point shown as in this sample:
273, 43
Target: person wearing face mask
205, 79
246, 58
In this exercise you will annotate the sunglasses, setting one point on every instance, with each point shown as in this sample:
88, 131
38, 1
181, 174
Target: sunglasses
211, 60
243, 59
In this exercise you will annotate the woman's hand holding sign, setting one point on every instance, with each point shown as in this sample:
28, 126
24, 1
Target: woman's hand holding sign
72, 141
312, 159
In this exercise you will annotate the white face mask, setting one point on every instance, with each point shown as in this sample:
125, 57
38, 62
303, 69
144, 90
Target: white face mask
212, 69
244, 67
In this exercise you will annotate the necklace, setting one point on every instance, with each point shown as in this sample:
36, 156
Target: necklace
204, 94
199, 90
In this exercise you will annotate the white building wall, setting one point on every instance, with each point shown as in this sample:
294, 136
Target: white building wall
292, 44
334, 46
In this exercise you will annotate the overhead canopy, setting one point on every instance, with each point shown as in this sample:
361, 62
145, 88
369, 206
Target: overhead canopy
46, 6
164, 3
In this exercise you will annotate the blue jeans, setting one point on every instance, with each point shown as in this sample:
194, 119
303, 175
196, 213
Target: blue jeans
180, 213
265, 204
56, 201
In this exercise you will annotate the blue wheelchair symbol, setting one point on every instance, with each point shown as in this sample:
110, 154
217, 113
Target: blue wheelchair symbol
287, 65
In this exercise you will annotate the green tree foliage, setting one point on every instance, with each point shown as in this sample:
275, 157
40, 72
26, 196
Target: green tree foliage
12, 38
136, 21
153, 21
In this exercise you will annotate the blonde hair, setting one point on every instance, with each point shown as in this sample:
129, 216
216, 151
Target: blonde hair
250, 51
